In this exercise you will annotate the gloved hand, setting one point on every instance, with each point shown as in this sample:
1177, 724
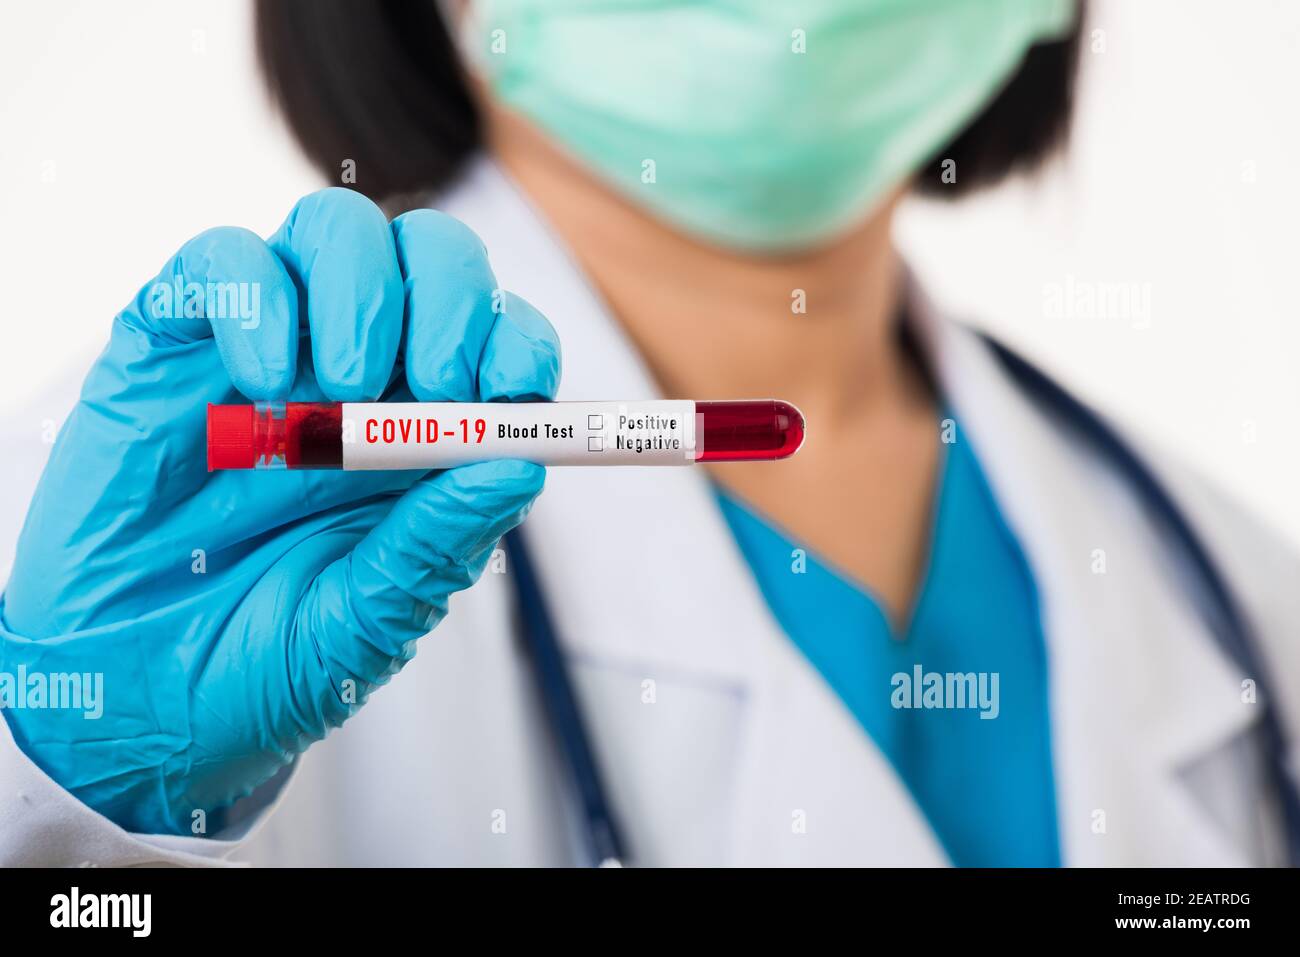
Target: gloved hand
236, 617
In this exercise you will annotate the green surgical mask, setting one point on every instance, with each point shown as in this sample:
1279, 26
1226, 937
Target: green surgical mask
755, 124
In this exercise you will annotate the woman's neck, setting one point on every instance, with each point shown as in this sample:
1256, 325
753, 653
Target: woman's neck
816, 328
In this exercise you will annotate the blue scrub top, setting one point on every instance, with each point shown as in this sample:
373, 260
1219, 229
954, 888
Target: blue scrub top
959, 702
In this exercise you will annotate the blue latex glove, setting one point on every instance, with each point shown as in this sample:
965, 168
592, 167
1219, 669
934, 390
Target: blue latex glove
317, 584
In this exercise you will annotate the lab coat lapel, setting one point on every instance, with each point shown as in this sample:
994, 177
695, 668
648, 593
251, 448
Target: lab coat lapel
642, 572
1139, 689
629, 554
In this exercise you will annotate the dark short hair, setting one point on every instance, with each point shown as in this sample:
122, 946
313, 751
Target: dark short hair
380, 83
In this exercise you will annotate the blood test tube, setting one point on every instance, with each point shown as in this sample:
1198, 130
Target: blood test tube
432, 435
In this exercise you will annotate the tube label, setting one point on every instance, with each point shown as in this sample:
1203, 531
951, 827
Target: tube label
438, 435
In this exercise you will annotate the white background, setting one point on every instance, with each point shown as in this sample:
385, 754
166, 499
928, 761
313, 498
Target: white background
126, 127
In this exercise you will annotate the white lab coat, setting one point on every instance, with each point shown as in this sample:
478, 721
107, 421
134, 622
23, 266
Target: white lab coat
720, 743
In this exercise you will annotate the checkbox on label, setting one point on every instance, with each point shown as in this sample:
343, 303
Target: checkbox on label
595, 421
595, 443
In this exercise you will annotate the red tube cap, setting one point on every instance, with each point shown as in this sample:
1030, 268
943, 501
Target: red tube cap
230, 437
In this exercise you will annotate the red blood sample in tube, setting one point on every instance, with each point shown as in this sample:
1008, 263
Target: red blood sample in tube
747, 430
